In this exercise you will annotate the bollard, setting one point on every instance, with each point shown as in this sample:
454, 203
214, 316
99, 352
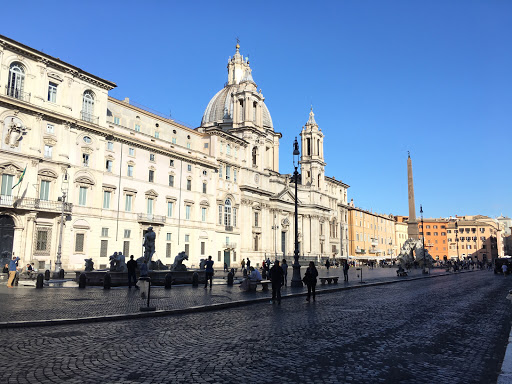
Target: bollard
107, 281
39, 282
82, 280
195, 279
168, 281
145, 292
230, 278
61, 274
47, 275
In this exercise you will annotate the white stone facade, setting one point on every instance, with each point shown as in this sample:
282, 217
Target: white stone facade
214, 190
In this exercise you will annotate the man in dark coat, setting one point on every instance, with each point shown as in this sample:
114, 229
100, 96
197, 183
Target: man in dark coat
132, 273
277, 277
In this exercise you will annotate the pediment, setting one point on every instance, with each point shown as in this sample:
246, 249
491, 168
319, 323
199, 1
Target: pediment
151, 193
286, 195
47, 173
10, 168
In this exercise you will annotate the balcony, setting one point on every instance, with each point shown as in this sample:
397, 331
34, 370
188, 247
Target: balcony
229, 228
150, 218
17, 94
229, 245
86, 116
29, 203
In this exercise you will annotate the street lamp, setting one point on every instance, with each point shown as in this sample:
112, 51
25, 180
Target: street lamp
423, 238
64, 188
296, 279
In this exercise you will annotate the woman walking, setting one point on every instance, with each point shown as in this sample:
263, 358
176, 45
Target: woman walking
310, 279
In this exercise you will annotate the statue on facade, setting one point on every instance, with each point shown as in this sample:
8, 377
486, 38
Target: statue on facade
178, 262
89, 265
14, 134
149, 244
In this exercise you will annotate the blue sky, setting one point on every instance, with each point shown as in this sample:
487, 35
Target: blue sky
384, 77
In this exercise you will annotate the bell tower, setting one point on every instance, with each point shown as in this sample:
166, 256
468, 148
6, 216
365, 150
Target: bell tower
312, 160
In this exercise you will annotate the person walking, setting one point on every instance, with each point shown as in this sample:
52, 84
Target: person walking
310, 279
132, 272
12, 270
345, 270
327, 265
248, 264
209, 272
284, 266
277, 277
242, 264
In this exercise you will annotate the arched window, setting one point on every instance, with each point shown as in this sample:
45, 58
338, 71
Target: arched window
88, 106
227, 213
16, 81
254, 155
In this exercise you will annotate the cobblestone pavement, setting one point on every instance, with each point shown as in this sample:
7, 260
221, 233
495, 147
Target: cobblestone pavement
27, 303
443, 330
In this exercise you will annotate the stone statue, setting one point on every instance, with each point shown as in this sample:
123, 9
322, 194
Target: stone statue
117, 263
149, 244
407, 258
89, 265
202, 264
178, 262
14, 134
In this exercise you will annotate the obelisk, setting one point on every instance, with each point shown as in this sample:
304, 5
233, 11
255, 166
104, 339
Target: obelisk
412, 224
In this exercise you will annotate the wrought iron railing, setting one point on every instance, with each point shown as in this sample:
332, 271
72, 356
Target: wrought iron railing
229, 245
150, 218
17, 93
35, 204
89, 117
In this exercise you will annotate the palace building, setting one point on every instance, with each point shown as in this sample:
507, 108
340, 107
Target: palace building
112, 168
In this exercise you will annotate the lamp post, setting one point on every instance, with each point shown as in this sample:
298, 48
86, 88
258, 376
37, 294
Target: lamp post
423, 238
296, 280
64, 188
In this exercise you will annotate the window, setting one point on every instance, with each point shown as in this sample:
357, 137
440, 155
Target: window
203, 214
50, 128
171, 180
189, 185
104, 232
220, 214
205, 145
151, 157
85, 159
168, 236
228, 149
204, 187
82, 196
228, 172
150, 206
16, 81
436, 233
171, 163
79, 242
187, 212
127, 233
104, 248
435, 226
188, 145
42, 240
131, 151
87, 140
44, 192
110, 146
254, 156
234, 175
169, 209
220, 172
256, 217
130, 170
157, 135
203, 248
443, 233
173, 140
227, 213
151, 176
187, 238
7, 185
234, 216
116, 120
428, 233
168, 250
189, 167
48, 149
128, 203
106, 199
137, 128
218, 256
108, 165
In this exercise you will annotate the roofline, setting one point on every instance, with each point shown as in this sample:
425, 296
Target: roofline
57, 60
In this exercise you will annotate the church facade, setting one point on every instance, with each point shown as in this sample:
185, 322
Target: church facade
111, 169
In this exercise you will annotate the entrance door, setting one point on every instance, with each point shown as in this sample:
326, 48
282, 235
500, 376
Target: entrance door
6, 238
283, 243
226, 258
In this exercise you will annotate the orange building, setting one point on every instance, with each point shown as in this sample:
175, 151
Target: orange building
436, 239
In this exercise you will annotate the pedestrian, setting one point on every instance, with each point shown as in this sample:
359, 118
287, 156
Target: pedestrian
226, 267
284, 266
345, 270
327, 264
144, 269
242, 264
277, 277
132, 272
12, 270
209, 272
248, 265
310, 279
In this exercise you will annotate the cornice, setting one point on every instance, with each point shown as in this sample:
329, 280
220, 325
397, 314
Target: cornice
214, 131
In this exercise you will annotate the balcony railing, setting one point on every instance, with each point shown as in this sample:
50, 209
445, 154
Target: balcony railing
17, 94
35, 204
229, 245
150, 218
86, 116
